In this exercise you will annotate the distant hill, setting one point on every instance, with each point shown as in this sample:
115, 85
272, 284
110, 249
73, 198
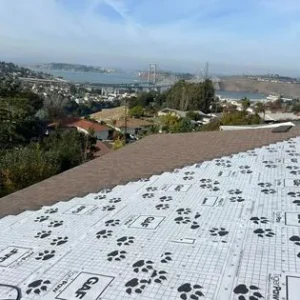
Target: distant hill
70, 67
11, 69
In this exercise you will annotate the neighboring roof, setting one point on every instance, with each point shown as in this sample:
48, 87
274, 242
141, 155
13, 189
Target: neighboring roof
110, 114
260, 126
269, 116
148, 156
103, 149
225, 229
86, 125
180, 113
132, 123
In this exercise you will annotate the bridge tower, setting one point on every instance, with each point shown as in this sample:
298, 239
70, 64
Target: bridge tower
152, 73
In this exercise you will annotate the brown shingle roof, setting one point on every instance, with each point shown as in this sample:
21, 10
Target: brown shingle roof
86, 125
110, 114
132, 123
152, 155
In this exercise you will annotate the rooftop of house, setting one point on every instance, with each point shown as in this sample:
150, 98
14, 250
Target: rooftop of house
132, 123
180, 113
87, 125
110, 114
212, 215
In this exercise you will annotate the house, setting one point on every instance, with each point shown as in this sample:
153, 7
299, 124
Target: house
102, 132
133, 126
178, 113
270, 117
110, 114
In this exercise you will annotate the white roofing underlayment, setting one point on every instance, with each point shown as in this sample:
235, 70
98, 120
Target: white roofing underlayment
224, 229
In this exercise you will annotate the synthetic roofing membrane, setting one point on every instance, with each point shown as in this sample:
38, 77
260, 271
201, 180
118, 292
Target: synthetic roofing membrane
222, 229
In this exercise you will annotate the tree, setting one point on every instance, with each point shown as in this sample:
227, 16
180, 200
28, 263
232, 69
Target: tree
240, 118
296, 108
245, 103
118, 143
136, 112
54, 105
193, 116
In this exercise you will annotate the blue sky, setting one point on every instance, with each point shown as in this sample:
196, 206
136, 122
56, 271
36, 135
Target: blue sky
233, 35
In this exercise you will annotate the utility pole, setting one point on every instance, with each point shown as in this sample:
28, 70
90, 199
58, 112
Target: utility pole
125, 123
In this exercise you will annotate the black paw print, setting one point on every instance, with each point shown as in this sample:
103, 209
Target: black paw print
43, 234
235, 192
162, 206
41, 219
100, 197
159, 276
265, 184
251, 153
136, 285
209, 184
268, 191
182, 220
236, 199
112, 223
148, 195
195, 225
143, 180
151, 189
295, 239
125, 240
296, 182
184, 211
37, 287
105, 191
103, 234
218, 231
245, 170
187, 178
251, 293
272, 150
270, 164
294, 194
108, 208
56, 224
261, 220
115, 200
166, 257
45, 255
51, 211
165, 198
295, 172
59, 241
143, 266
297, 202
188, 291
262, 233
223, 163
116, 255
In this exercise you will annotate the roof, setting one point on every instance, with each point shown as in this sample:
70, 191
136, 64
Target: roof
180, 113
256, 126
151, 155
279, 116
103, 149
223, 229
110, 114
86, 125
132, 123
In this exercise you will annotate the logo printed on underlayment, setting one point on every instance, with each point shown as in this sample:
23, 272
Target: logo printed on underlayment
12, 254
275, 289
147, 222
80, 209
292, 287
292, 219
86, 286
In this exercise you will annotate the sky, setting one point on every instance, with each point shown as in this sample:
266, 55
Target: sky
234, 36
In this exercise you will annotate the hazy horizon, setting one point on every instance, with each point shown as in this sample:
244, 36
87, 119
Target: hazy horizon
235, 37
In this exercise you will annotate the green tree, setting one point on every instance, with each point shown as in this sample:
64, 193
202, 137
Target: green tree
136, 112
296, 108
193, 116
245, 103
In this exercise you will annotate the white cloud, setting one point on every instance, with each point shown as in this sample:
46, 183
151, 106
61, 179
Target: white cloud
250, 32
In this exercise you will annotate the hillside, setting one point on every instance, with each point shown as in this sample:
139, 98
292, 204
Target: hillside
263, 87
70, 67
